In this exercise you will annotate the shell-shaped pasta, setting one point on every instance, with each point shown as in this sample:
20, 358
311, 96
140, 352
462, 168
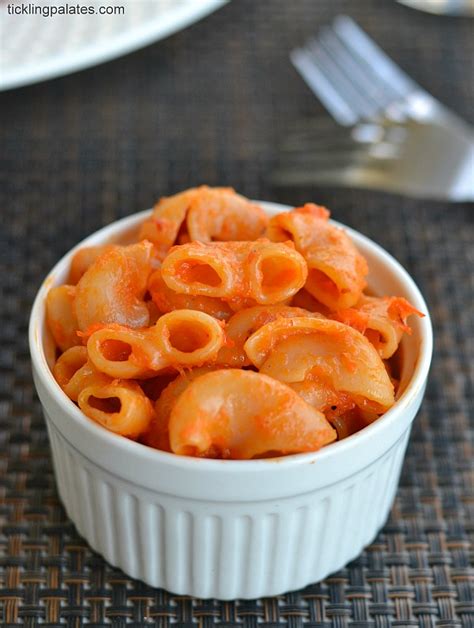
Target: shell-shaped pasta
178, 339
244, 323
382, 320
61, 316
222, 214
121, 407
264, 271
84, 258
167, 300
112, 289
293, 349
241, 415
336, 270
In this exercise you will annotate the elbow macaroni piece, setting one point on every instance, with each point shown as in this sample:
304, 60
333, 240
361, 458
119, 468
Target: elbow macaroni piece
264, 271
121, 407
336, 270
241, 415
74, 372
222, 214
84, 258
68, 364
338, 407
203, 214
244, 323
86, 376
182, 338
164, 225
319, 393
161, 338
61, 316
382, 320
167, 300
157, 435
112, 289
292, 350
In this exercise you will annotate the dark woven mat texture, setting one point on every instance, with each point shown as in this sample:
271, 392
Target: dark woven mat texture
210, 104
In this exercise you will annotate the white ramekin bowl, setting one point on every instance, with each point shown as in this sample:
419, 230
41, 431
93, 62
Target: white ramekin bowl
230, 529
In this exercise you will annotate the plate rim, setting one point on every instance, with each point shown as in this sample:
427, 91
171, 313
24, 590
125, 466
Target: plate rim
131, 40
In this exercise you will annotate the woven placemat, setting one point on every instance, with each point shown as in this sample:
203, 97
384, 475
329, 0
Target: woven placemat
210, 105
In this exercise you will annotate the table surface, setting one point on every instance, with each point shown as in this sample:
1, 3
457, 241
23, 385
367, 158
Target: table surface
211, 104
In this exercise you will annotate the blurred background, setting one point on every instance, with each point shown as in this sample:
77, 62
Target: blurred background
211, 104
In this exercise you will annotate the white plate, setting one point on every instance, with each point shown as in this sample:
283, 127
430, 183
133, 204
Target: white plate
34, 48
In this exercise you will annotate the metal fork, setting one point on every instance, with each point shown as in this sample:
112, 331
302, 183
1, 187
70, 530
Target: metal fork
399, 137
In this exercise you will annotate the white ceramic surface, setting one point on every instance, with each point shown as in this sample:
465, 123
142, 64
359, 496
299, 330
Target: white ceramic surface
231, 529
35, 48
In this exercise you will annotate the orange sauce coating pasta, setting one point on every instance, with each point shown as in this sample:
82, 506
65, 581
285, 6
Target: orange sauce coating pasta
337, 270
262, 271
382, 320
167, 300
241, 414
203, 214
223, 334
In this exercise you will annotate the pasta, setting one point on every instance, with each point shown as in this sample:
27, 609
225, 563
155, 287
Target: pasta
295, 349
163, 227
303, 299
83, 259
121, 407
69, 363
262, 271
223, 334
74, 372
203, 214
221, 214
61, 316
382, 320
336, 270
349, 423
242, 325
178, 339
244, 415
112, 289
158, 433
167, 300
86, 376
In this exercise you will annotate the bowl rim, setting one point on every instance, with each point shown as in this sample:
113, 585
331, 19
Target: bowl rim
127, 446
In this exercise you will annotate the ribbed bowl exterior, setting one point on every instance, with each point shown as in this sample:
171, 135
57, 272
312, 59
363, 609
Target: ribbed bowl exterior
221, 528
225, 550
